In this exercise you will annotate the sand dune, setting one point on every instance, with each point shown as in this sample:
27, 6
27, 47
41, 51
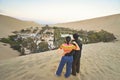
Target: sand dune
109, 23
99, 61
7, 26
10, 24
6, 52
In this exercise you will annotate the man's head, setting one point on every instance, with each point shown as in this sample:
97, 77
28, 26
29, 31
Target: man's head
75, 36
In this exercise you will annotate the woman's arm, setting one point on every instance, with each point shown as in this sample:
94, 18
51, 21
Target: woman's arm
77, 47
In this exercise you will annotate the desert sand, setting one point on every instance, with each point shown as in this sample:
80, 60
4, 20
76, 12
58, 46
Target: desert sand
6, 52
109, 23
7, 26
99, 61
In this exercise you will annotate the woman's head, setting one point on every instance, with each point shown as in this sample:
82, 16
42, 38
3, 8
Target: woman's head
68, 39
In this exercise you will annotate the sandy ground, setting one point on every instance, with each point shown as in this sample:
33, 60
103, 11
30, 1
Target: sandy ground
7, 26
6, 52
100, 61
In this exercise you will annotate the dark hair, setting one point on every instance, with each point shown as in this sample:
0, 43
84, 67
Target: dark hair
75, 36
68, 39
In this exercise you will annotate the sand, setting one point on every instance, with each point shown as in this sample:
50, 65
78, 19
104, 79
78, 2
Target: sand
99, 61
7, 26
109, 23
6, 52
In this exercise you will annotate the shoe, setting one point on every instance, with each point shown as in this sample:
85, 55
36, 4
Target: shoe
66, 76
77, 71
73, 74
57, 75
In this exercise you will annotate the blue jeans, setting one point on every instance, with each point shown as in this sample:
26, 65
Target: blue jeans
68, 61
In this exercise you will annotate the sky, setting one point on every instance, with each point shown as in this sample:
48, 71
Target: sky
58, 11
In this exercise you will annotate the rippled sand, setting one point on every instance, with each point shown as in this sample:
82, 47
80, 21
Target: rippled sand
100, 61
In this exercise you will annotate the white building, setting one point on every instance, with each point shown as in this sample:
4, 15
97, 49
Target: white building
65, 35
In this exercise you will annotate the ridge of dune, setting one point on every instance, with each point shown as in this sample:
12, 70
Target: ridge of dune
109, 23
9, 24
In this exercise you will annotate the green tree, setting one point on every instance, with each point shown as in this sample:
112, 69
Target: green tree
43, 46
57, 34
106, 36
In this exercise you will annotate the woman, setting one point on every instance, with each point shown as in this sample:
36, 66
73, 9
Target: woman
67, 57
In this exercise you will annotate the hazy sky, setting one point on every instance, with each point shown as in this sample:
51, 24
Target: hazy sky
55, 11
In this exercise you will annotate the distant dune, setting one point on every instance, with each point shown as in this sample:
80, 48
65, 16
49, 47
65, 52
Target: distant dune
109, 23
7, 26
10, 24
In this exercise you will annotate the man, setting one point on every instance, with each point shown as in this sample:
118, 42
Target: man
76, 56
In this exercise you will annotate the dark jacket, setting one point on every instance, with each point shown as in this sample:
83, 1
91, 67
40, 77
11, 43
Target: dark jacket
80, 45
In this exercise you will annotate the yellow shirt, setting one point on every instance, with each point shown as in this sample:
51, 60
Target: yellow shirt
67, 48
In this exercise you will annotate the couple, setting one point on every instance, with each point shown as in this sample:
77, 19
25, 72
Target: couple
71, 56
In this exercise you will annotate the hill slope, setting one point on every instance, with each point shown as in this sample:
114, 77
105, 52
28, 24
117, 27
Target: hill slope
9, 24
109, 23
6, 52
